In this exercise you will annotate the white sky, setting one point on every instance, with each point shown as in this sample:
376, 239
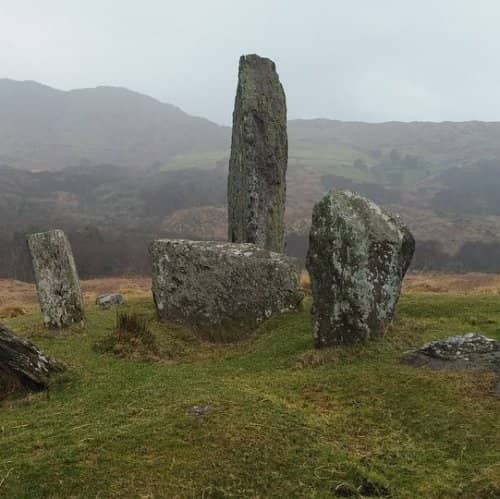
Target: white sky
370, 60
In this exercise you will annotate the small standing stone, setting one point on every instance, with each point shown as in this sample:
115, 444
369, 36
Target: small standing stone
357, 258
56, 278
259, 155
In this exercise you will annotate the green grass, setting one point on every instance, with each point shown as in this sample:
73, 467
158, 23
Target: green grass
284, 420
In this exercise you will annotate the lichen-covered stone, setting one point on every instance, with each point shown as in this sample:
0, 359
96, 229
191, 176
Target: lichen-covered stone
357, 258
259, 155
56, 278
222, 291
459, 352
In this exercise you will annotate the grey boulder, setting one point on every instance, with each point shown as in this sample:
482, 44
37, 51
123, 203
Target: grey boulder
222, 291
462, 351
357, 258
108, 300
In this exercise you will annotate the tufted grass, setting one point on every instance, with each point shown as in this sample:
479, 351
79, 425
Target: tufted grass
284, 420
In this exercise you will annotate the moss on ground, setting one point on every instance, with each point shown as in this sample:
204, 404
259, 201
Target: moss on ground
284, 420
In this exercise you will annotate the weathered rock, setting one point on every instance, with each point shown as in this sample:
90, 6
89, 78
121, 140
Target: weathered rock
259, 155
468, 351
22, 365
56, 277
463, 351
222, 291
357, 258
108, 300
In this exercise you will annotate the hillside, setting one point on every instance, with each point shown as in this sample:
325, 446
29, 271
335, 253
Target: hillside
115, 169
46, 129
42, 128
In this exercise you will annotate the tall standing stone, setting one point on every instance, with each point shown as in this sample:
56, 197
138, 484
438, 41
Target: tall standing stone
259, 155
56, 277
357, 258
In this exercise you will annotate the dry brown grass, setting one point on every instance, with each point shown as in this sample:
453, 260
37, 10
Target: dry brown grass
18, 297
470, 283
435, 282
305, 281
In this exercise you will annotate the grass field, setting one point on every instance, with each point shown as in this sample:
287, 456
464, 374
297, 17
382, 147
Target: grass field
284, 420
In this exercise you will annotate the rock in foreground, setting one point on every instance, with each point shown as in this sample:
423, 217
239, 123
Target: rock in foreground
463, 351
57, 282
259, 156
222, 291
22, 365
460, 352
357, 258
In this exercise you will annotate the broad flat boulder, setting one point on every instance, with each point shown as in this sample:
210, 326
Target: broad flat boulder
222, 291
462, 351
357, 258
57, 282
259, 156
468, 351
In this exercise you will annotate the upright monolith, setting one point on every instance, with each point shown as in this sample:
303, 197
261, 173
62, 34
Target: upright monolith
259, 155
56, 278
357, 258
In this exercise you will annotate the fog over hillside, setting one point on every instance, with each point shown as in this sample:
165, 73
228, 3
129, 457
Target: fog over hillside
46, 129
42, 128
116, 168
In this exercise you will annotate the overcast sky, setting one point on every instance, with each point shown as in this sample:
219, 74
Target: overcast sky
370, 60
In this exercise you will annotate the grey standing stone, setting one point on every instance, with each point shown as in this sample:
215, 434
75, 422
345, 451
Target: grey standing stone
222, 291
357, 258
259, 155
56, 277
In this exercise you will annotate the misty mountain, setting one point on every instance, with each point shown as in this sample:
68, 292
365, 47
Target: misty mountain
115, 169
46, 129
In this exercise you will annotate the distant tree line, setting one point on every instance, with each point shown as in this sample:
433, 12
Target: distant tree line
473, 256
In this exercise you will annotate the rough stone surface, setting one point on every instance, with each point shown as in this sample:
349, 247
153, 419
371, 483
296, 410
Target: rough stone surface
108, 300
464, 351
22, 364
56, 277
259, 155
357, 258
222, 291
